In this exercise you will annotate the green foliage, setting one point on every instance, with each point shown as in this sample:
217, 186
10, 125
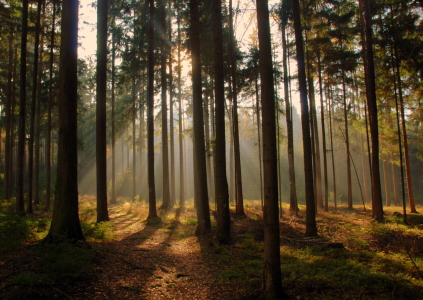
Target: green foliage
98, 231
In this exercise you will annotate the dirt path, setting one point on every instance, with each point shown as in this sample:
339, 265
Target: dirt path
149, 262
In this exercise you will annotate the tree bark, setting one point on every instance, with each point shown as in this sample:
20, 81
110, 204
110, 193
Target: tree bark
221, 183
311, 228
152, 211
101, 86
272, 277
65, 220
372, 105
200, 174
20, 200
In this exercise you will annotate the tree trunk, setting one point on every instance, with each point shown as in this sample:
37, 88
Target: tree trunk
237, 154
272, 277
134, 146
65, 220
395, 181
332, 152
200, 174
49, 108
172, 130
152, 211
221, 183
163, 75
386, 180
113, 190
181, 139
322, 117
259, 139
20, 201
38, 118
32, 112
8, 112
347, 143
372, 104
311, 229
101, 161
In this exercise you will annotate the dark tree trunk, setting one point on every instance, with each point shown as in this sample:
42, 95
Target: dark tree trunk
101, 162
113, 190
259, 139
172, 129
332, 153
49, 108
134, 145
237, 153
347, 143
372, 104
272, 277
38, 117
293, 204
30, 208
200, 174
65, 220
20, 200
311, 229
221, 183
8, 112
165, 143
181, 139
152, 211
322, 116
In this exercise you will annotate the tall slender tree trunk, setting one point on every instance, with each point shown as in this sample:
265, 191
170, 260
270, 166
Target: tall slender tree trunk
322, 120
181, 139
237, 153
272, 277
293, 205
332, 153
347, 143
20, 201
395, 181
171, 127
8, 111
30, 208
200, 174
38, 116
221, 183
134, 145
372, 104
163, 77
311, 228
113, 199
386, 180
404, 135
65, 220
101, 113
152, 210
49, 108
259, 139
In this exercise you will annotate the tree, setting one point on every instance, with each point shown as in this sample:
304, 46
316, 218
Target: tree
237, 154
102, 213
311, 228
221, 183
372, 105
200, 174
152, 211
65, 220
272, 277
20, 200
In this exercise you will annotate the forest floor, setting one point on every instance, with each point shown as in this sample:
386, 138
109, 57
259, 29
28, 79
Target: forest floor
353, 257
